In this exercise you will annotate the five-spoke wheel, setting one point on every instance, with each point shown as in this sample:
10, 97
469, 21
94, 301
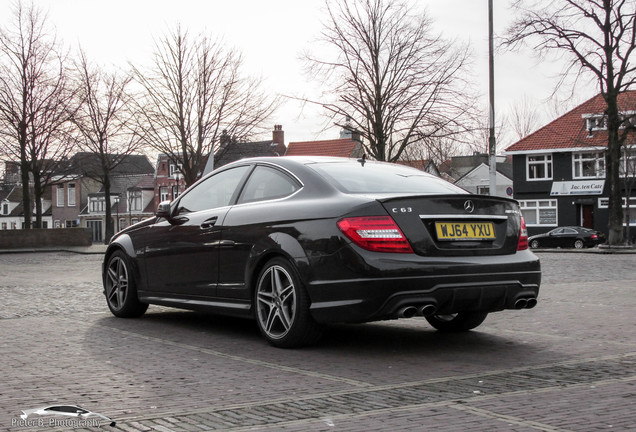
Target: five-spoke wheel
120, 289
282, 307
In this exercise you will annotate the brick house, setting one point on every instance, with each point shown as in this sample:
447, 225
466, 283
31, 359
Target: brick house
559, 170
79, 199
169, 183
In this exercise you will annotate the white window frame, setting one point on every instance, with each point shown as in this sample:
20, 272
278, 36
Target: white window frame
97, 205
175, 169
603, 203
164, 193
135, 201
579, 160
71, 194
537, 205
627, 164
547, 163
59, 193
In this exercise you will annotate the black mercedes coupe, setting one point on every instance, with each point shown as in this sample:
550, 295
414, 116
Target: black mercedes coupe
300, 242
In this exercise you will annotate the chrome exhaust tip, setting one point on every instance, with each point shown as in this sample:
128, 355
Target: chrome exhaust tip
426, 310
521, 303
407, 312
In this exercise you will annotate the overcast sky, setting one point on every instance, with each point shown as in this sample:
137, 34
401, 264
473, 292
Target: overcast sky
272, 34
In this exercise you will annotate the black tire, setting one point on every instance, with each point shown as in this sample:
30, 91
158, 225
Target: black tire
578, 244
534, 244
281, 307
459, 322
120, 287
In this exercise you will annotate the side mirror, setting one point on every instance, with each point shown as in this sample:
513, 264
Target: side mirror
163, 210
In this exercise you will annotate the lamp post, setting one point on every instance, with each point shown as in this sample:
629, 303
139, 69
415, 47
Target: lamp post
492, 143
117, 211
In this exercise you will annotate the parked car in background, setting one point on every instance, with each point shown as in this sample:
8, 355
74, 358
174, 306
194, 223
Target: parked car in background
295, 243
567, 237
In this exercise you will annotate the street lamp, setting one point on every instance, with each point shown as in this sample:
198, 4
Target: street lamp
117, 210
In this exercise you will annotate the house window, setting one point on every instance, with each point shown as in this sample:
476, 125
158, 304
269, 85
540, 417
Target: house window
97, 205
588, 165
164, 193
134, 200
593, 123
539, 167
4, 225
483, 190
71, 194
60, 195
71, 223
122, 223
14, 225
539, 212
175, 170
627, 166
604, 203
57, 224
5, 208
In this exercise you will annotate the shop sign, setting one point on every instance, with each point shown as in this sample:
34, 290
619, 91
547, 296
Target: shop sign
585, 187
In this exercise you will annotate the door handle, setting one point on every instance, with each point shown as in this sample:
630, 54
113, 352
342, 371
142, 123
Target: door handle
209, 223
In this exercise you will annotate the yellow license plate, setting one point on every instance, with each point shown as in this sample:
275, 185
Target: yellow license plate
465, 230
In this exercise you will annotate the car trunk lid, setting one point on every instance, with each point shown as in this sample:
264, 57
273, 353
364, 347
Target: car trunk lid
457, 225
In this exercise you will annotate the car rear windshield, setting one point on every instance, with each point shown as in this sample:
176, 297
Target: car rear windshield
376, 177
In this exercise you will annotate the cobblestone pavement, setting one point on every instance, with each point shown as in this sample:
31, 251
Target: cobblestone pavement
567, 365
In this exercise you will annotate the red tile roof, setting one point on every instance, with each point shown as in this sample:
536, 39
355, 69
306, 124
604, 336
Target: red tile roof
420, 164
337, 147
569, 131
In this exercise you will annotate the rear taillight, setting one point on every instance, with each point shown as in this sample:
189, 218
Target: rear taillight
523, 236
375, 233
594, 237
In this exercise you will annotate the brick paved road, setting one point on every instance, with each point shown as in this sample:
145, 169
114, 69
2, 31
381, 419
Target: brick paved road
567, 365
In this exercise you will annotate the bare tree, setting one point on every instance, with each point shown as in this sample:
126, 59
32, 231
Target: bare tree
397, 81
105, 125
523, 118
194, 93
35, 103
597, 38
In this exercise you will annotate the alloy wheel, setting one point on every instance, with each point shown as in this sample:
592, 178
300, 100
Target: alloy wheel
276, 302
116, 283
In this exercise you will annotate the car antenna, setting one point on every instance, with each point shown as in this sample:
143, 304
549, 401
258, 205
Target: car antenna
363, 159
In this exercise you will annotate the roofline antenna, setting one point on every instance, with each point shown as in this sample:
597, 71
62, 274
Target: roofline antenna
363, 159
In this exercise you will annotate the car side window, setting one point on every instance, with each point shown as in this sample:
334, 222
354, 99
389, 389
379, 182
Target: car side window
267, 183
215, 191
569, 231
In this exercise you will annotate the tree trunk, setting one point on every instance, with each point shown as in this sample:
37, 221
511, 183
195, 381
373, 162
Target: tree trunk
612, 173
109, 229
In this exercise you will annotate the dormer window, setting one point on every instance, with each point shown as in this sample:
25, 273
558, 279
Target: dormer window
594, 122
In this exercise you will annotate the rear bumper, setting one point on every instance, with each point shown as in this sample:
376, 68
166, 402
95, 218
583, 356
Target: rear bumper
451, 285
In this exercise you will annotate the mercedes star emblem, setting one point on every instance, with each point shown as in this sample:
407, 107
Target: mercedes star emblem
469, 206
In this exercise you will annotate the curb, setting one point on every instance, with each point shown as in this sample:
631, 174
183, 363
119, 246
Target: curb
79, 250
599, 251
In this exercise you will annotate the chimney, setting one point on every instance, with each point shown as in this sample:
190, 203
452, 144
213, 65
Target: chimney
278, 137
